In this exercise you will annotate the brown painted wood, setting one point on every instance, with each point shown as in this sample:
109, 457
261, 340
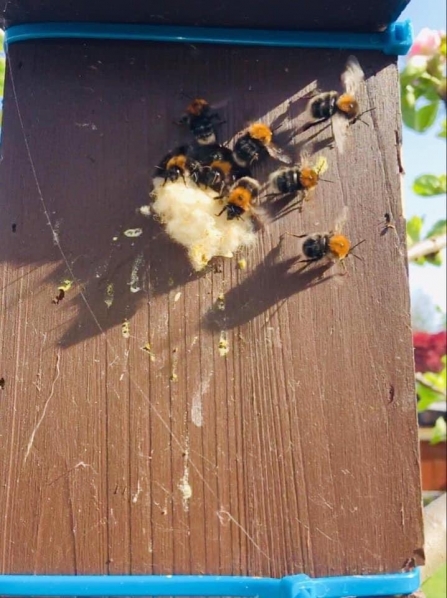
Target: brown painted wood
322, 15
300, 446
433, 466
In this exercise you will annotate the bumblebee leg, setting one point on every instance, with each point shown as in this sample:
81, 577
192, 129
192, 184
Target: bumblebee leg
297, 236
313, 123
307, 264
222, 210
273, 194
345, 270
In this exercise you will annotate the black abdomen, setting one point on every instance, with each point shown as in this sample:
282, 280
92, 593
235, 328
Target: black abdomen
288, 181
248, 150
315, 247
202, 128
324, 106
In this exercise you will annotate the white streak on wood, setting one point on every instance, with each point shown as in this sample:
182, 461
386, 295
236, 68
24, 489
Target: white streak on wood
44, 410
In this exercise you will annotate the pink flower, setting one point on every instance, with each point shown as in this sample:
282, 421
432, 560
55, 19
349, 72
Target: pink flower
427, 43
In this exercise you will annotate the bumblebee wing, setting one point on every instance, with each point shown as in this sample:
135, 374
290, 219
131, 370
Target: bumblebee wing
304, 159
341, 219
352, 76
260, 217
340, 126
308, 194
278, 154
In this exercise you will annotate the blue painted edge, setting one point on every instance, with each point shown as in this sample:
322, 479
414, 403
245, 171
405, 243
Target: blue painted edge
396, 39
294, 586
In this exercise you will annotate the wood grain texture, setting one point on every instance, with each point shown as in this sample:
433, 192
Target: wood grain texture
323, 15
300, 447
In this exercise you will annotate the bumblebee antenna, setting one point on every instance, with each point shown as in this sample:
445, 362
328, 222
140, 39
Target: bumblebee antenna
366, 111
360, 115
357, 244
351, 252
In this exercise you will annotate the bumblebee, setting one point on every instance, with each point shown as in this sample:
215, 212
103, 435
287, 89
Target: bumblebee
342, 108
177, 164
332, 245
218, 170
302, 178
240, 197
199, 118
256, 144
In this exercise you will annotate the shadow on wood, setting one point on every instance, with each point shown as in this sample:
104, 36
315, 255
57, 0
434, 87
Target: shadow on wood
254, 297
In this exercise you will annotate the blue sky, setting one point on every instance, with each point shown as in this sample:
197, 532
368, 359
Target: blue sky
425, 154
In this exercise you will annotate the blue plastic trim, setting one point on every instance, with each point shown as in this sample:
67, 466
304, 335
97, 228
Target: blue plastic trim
397, 39
294, 586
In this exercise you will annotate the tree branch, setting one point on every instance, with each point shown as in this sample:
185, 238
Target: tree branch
427, 247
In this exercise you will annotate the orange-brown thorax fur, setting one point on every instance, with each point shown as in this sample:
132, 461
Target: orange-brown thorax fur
223, 166
196, 107
177, 162
339, 246
240, 197
347, 104
308, 178
261, 132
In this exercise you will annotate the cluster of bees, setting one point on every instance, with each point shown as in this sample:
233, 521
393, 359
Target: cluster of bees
227, 172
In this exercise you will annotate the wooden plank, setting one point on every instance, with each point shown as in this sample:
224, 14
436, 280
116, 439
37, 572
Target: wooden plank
323, 15
296, 452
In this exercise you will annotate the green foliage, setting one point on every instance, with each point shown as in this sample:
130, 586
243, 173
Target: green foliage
428, 185
414, 229
436, 586
2, 75
439, 432
418, 119
431, 388
439, 228
443, 132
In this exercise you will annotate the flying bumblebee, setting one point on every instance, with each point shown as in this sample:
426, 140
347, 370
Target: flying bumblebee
342, 108
201, 121
177, 164
332, 245
387, 224
240, 197
256, 144
302, 178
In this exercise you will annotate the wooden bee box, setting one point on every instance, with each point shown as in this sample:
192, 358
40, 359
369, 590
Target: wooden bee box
129, 444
